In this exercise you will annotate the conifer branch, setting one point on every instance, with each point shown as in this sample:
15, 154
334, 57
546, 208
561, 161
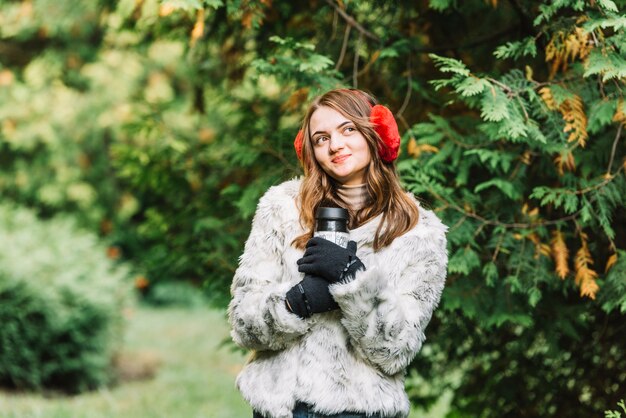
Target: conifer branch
503, 224
458, 223
409, 82
617, 137
344, 47
350, 21
608, 178
355, 66
497, 250
371, 61
521, 104
503, 86
335, 19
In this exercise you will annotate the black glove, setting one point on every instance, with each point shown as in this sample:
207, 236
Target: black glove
310, 296
326, 259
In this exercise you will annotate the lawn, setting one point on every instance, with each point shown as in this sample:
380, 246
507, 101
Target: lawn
195, 379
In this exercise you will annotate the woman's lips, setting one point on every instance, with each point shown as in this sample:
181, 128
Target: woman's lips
340, 158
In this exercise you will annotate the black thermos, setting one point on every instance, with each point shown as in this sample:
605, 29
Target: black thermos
332, 224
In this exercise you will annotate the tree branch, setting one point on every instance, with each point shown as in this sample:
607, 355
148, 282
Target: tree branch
335, 18
503, 224
471, 44
344, 46
350, 21
617, 137
608, 177
407, 96
355, 66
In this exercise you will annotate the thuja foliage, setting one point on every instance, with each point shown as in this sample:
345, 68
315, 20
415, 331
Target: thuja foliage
173, 117
528, 169
61, 305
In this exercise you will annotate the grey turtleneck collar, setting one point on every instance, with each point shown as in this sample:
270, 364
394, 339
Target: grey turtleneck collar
355, 196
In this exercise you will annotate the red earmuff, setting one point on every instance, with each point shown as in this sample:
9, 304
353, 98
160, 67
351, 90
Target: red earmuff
385, 126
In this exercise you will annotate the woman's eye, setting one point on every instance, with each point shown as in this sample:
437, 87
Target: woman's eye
350, 129
318, 140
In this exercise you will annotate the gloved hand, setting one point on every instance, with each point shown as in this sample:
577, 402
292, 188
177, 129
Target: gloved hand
310, 296
326, 259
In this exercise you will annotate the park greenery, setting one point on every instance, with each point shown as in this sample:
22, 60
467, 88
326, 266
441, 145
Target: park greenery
62, 305
158, 125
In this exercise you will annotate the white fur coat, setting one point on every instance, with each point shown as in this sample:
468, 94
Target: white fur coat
349, 359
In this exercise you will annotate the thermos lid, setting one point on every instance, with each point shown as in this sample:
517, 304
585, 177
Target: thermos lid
332, 213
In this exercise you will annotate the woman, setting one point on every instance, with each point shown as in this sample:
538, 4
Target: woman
333, 329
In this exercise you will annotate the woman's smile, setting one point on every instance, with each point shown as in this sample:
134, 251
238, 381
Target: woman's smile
340, 159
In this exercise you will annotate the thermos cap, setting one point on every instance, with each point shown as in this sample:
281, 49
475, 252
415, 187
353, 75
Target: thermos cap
332, 213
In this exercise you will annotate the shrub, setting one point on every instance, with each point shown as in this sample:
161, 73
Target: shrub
61, 304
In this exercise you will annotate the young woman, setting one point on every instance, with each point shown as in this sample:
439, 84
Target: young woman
333, 329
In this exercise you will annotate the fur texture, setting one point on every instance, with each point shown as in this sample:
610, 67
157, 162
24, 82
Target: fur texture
386, 127
350, 359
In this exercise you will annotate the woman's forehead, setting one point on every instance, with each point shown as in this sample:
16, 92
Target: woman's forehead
325, 118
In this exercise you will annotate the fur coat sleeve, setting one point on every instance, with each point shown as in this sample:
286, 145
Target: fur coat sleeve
387, 307
258, 316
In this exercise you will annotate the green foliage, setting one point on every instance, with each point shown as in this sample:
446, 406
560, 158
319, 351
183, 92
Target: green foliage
517, 49
161, 124
616, 413
61, 304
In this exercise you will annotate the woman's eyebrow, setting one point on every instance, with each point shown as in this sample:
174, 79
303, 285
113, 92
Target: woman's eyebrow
338, 126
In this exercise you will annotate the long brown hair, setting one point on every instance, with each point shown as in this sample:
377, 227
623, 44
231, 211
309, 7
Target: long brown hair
399, 212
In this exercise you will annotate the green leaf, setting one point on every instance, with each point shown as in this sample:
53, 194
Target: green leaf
449, 65
389, 52
609, 66
216, 4
472, 86
464, 261
608, 5
494, 105
440, 5
517, 49
613, 294
615, 22
534, 132
570, 203
504, 186
490, 271
585, 211
539, 192
514, 127
600, 115
184, 4
493, 158
315, 64
499, 319
534, 296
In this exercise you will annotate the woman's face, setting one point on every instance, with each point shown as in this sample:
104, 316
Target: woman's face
338, 146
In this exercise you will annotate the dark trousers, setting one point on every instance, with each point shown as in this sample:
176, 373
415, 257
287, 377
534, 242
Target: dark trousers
303, 410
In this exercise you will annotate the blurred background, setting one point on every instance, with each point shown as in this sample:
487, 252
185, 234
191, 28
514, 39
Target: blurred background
136, 137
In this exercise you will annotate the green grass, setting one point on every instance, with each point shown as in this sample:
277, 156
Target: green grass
196, 378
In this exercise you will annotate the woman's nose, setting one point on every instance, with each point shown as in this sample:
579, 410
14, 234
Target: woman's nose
336, 142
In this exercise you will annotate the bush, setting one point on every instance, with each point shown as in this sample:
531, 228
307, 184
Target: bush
61, 305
